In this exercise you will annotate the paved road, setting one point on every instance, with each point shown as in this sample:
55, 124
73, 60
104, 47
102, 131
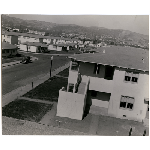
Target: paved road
20, 75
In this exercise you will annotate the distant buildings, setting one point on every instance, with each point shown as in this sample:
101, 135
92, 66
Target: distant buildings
8, 49
33, 47
115, 81
9, 37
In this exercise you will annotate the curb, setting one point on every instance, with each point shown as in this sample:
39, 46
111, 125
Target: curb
16, 63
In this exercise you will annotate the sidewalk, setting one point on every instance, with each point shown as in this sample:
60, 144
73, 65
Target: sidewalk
11, 96
94, 125
11, 126
16, 63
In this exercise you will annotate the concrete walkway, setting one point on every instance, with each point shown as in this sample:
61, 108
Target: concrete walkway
94, 125
50, 114
11, 96
11, 126
35, 100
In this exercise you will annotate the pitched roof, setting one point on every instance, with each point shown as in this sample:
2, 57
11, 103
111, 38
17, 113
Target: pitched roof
34, 44
6, 45
125, 57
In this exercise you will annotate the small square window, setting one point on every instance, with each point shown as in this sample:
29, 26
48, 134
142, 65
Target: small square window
131, 77
127, 78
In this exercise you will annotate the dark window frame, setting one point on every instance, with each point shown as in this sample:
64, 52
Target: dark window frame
124, 104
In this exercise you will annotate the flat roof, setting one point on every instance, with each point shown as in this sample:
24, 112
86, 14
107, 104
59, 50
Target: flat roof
6, 45
34, 44
125, 57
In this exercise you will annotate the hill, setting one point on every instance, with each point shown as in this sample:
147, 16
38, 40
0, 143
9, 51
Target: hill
90, 32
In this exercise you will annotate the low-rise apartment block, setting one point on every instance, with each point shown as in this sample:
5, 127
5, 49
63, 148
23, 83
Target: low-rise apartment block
116, 79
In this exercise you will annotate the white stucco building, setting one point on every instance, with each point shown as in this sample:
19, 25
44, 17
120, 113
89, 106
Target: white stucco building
116, 80
33, 47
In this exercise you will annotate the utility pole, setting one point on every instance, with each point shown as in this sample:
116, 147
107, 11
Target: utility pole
51, 66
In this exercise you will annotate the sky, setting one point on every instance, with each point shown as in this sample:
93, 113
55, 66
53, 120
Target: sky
134, 23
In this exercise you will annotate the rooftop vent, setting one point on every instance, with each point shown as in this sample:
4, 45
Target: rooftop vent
104, 51
143, 60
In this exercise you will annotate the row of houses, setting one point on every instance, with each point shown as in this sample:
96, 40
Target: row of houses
17, 38
54, 42
40, 47
114, 82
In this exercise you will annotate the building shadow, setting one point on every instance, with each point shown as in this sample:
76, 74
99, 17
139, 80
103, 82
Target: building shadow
86, 111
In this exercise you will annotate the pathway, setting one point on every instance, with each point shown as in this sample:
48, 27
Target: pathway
49, 115
35, 100
94, 125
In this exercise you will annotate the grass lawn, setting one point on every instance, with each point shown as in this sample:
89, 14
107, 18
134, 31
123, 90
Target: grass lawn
49, 90
110, 126
26, 110
64, 73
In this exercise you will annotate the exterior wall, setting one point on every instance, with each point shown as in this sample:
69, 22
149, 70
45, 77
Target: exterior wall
117, 87
70, 105
137, 90
14, 39
23, 47
33, 49
102, 85
8, 52
57, 48
7, 38
50, 47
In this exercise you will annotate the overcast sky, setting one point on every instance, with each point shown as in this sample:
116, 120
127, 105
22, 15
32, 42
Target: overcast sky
138, 23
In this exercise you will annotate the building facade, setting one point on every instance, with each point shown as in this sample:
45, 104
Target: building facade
121, 89
8, 49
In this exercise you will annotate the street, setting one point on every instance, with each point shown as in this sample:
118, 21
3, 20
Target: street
22, 74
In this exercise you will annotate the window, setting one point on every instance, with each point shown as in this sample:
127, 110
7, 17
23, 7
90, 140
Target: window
109, 72
75, 65
71, 87
131, 76
93, 93
96, 69
126, 102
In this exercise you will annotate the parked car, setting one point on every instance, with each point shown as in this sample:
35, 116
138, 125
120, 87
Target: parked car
26, 60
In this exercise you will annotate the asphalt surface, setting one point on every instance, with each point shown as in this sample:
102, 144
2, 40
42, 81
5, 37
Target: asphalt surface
23, 74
